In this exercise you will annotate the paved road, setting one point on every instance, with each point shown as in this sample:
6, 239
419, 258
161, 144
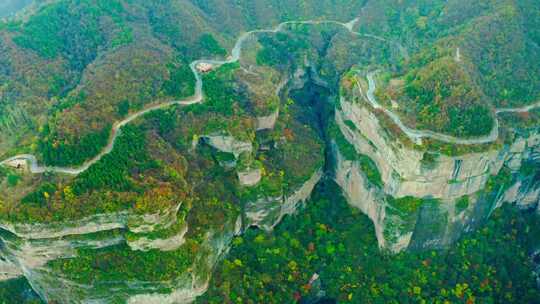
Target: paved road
417, 135
236, 53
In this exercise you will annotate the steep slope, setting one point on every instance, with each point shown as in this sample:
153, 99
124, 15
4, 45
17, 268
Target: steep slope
240, 138
57, 57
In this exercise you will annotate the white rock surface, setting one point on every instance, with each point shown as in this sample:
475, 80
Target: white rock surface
172, 243
250, 178
92, 224
446, 178
267, 122
267, 212
370, 200
402, 169
8, 270
228, 144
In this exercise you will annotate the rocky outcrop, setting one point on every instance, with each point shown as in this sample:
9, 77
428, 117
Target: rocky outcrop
453, 194
195, 282
370, 200
33, 254
9, 270
150, 222
31, 257
166, 244
267, 122
523, 193
403, 170
250, 177
32, 251
48, 243
267, 212
228, 144
93, 224
28, 249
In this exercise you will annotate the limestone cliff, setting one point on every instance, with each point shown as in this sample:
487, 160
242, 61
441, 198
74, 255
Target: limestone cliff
422, 204
267, 212
38, 251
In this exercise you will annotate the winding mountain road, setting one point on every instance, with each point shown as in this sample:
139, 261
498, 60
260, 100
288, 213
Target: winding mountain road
236, 53
417, 135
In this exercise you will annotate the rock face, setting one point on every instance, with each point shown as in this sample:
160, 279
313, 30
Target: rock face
228, 144
29, 250
523, 193
366, 197
267, 212
250, 177
194, 282
103, 222
448, 195
267, 122
402, 169
30, 257
9, 270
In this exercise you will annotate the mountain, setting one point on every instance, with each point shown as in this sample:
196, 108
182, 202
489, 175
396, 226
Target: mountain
141, 140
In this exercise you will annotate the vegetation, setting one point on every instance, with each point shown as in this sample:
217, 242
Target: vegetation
501, 181
72, 69
462, 204
64, 152
369, 168
124, 179
409, 204
181, 82
429, 160
345, 148
208, 42
18, 291
11, 177
71, 30
125, 36
112, 170
338, 243
221, 95
449, 149
277, 50
444, 99
494, 39
119, 263
461, 65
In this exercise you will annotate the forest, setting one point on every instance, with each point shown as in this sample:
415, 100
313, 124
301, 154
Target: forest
337, 242
172, 185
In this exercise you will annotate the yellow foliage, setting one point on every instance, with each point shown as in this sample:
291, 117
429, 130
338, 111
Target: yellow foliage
238, 262
68, 194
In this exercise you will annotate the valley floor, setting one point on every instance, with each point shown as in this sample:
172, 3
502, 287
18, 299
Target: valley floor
335, 242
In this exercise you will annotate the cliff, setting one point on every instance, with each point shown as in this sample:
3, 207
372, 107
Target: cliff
41, 252
423, 199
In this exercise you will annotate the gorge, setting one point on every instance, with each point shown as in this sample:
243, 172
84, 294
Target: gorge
122, 198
